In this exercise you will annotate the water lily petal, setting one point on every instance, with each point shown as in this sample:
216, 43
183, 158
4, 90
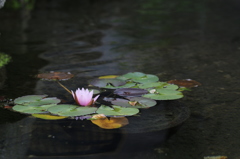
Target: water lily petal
83, 97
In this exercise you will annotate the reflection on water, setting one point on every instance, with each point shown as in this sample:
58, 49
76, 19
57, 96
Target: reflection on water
173, 39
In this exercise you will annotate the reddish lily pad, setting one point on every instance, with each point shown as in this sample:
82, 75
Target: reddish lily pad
188, 83
55, 75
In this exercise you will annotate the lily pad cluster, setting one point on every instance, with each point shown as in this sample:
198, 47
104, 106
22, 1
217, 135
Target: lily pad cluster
140, 84
40, 104
130, 92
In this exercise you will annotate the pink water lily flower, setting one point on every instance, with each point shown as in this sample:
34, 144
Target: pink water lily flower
84, 97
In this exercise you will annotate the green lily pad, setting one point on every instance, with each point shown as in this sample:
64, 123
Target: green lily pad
131, 75
167, 91
164, 94
152, 85
71, 110
171, 86
164, 85
127, 85
28, 99
95, 91
44, 101
135, 102
139, 77
32, 109
102, 83
116, 111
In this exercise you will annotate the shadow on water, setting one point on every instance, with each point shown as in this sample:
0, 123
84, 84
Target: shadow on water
172, 39
36, 138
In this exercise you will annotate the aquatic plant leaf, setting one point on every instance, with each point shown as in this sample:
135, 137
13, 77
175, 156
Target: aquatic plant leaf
106, 82
48, 117
139, 77
165, 95
127, 85
188, 83
152, 85
116, 110
131, 75
32, 109
98, 116
171, 86
121, 102
110, 123
55, 75
167, 91
146, 79
71, 110
184, 89
135, 102
28, 99
130, 91
44, 101
108, 76
95, 91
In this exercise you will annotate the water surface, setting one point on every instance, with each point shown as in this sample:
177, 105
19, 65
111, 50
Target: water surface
172, 39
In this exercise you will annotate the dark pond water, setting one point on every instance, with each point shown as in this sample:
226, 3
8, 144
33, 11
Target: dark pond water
174, 39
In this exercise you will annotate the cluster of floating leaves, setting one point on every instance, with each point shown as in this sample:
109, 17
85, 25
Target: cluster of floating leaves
131, 92
140, 84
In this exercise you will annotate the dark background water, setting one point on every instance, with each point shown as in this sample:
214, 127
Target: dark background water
173, 39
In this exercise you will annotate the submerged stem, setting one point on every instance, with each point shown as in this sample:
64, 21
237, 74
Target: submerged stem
64, 87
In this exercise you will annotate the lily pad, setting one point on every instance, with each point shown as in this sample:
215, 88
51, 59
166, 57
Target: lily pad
71, 110
131, 75
32, 109
164, 94
116, 111
130, 92
152, 85
127, 85
188, 83
45, 101
111, 123
139, 77
107, 82
135, 102
95, 91
55, 75
171, 86
167, 91
108, 76
28, 99
48, 117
